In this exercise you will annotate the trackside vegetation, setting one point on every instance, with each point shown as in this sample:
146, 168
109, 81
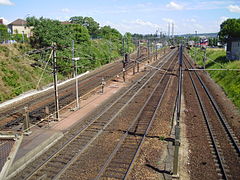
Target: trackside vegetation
20, 70
228, 80
16, 71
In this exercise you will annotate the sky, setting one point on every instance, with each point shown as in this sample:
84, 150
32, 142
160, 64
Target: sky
134, 16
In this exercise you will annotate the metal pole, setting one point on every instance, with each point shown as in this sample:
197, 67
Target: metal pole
204, 58
55, 82
177, 126
156, 55
73, 62
26, 120
77, 98
148, 45
23, 36
123, 46
138, 55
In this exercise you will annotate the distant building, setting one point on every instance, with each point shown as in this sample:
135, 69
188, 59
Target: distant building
233, 49
1, 21
19, 26
191, 43
204, 42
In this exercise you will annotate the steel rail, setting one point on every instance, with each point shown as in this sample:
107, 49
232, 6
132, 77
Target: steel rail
210, 129
120, 143
81, 130
105, 126
86, 79
219, 114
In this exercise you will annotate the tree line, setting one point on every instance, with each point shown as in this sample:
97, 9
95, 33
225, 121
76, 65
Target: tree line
94, 45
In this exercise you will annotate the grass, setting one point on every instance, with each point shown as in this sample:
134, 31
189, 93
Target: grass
16, 73
228, 80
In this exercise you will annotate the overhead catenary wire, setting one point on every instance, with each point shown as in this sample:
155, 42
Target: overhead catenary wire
225, 69
44, 69
208, 58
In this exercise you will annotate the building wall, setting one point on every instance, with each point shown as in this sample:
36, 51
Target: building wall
19, 29
235, 50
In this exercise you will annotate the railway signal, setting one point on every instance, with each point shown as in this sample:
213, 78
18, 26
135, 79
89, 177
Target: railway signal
103, 83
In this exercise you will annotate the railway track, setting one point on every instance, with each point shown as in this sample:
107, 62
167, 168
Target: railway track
122, 159
14, 116
224, 144
55, 162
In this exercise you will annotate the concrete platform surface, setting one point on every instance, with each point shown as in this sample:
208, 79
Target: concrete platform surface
33, 146
41, 139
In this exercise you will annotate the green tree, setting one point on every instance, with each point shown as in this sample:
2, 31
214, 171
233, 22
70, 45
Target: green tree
109, 33
46, 31
229, 29
80, 33
4, 35
32, 21
88, 22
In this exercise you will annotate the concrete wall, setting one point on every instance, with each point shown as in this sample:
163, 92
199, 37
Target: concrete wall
19, 29
235, 50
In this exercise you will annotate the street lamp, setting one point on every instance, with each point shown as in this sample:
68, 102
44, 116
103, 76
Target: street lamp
23, 27
76, 80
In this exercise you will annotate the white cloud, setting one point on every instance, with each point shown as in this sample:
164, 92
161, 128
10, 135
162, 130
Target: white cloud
234, 8
65, 10
145, 23
168, 20
5, 21
144, 5
135, 26
6, 2
175, 6
191, 20
221, 19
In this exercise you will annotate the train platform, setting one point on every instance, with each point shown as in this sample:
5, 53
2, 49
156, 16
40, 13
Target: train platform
41, 139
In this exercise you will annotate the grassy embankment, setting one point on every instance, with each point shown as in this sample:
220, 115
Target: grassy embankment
17, 74
228, 80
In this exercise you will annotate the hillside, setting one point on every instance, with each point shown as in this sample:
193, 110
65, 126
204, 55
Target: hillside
17, 74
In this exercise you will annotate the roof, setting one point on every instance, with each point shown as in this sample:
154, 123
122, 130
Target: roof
65, 22
18, 22
234, 39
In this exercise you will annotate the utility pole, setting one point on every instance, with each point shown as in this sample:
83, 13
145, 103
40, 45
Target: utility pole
123, 46
172, 30
23, 36
205, 58
73, 62
26, 124
196, 46
168, 30
148, 47
55, 82
177, 126
75, 59
138, 55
